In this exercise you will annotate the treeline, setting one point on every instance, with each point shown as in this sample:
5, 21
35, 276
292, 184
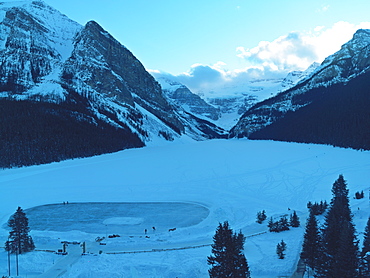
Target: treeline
337, 115
36, 133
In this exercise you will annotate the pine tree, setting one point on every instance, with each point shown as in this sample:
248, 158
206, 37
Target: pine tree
264, 216
365, 253
311, 242
280, 249
347, 262
283, 224
272, 225
261, 216
241, 268
19, 240
294, 220
228, 259
317, 208
365, 266
278, 226
339, 243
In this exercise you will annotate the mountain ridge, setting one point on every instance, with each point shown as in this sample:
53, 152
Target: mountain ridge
347, 66
48, 58
225, 109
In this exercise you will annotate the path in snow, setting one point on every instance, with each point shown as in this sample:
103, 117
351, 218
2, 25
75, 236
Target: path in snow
61, 266
301, 268
75, 252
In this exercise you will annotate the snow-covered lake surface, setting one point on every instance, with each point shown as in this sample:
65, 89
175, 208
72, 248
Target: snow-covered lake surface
231, 179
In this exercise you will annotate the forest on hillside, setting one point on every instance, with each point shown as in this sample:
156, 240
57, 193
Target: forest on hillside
338, 115
36, 133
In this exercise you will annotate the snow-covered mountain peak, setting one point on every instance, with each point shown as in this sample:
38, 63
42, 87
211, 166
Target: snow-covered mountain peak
45, 57
35, 40
295, 77
350, 53
169, 84
61, 30
350, 62
362, 37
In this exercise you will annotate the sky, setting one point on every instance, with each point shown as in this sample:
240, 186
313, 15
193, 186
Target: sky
224, 40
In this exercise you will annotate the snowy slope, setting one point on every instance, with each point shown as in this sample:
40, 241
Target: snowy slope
47, 57
233, 179
33, 24
349, 63
49, 60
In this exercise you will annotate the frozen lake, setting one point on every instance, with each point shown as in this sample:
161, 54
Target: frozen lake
115, 218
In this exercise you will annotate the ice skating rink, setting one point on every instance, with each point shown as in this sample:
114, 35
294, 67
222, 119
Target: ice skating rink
115, 218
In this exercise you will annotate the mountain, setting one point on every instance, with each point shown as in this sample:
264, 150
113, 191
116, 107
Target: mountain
68, 90
223, 105
329, 106
190, 102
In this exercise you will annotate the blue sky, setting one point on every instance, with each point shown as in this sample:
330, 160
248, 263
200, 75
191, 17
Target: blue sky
225, 37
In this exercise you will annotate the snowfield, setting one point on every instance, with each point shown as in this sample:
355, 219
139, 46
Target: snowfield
230, 179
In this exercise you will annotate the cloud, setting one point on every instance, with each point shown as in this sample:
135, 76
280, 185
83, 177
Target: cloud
286, 53
203, 77
199, 77
216, 79
323, 9
297, 50
327, 41
271, 59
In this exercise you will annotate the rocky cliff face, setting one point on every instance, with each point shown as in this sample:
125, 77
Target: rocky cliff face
30, 46
88, 77
348, 63
190, 102
101, 68
47, 57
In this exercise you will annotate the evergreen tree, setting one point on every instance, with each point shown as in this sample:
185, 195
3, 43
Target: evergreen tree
227, 259
366, 242
347, 262
365, 253
323, 206
272, 225
280, 249
339, 243
317, 208
294, 220
241, 268
278, 226
359, 195
309, 204
19, 240
311, 242
261, 216
283, 224
364, 271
